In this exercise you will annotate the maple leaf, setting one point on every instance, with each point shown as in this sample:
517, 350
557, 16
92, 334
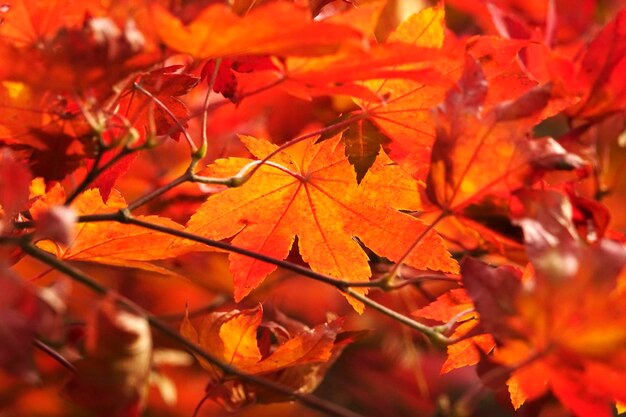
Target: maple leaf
226, 80
448, 306
362, 141
405, 114
494, 292
107, 179
112, 378
167, 86
45, 131
109, 243
600, 75
310, 191
299, 361
340, 73
564, 329
545, 217
466, 133
277, 28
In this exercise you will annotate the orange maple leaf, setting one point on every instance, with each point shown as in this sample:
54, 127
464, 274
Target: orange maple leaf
489, 151
405, 114
449, 306
310, 191
110, 243
564, 329
278, 28
299, 361
600, 76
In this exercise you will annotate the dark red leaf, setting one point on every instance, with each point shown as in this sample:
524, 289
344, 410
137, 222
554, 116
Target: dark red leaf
494, 292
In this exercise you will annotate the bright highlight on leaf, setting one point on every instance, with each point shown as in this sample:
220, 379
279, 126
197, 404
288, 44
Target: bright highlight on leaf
310, 191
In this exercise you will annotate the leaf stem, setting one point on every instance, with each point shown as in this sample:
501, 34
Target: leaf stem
445, 328
158, 191
48, 350
192, 145
301, 138
207, 102
217, 302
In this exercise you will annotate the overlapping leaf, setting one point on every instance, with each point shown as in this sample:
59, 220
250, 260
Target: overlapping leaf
343, 73
167, 86
46, 129
451, 306
601, 72
311, 192
277, 28
110, 243
564, 330
489, 152
14, 182
405, 113
299, 360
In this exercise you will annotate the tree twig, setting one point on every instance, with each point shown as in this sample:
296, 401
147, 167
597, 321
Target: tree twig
48, 350
310, 401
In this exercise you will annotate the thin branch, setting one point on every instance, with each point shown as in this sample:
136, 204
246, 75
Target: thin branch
310, 401
430, 332
299, 139
48, 350
124, 216
187, 176
217, 302
341, 285
89, 178
384, 284
207, 102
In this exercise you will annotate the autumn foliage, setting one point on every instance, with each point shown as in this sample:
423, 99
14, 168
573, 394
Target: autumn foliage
312, 207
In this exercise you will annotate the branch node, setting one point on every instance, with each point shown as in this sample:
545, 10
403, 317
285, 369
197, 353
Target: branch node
125, 216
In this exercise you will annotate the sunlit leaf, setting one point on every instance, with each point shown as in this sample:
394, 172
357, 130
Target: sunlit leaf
313, 194
278, 28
